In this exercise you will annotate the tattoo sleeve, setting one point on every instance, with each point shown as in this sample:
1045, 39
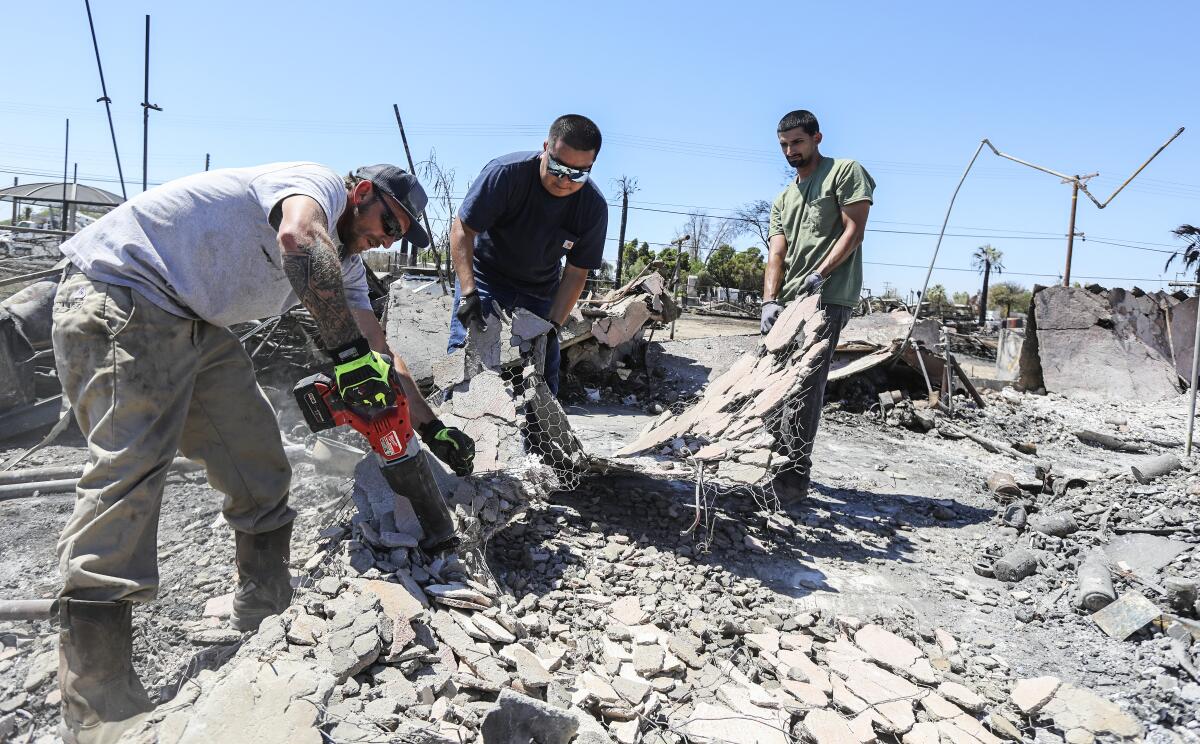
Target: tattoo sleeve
316, 275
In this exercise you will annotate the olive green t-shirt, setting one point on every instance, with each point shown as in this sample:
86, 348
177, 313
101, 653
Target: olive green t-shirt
809, 215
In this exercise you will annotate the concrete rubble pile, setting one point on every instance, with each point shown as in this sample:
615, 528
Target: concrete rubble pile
869, 341
1096, 522
601, 333
1113, 343
638, 644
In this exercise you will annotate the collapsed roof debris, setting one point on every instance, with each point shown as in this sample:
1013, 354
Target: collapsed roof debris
601, 332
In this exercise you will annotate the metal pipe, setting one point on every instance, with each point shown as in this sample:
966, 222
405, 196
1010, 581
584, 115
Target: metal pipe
39, 230
937, 247
28, 609
29, 277
1195, 362
30, 475
19, 490
1135, 173
1187, 452
1006, 156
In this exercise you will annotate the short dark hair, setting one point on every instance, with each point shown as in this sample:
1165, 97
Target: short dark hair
799, 119
576, 131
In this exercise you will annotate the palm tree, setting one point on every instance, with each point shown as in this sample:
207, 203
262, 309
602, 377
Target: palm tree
987, 259
1190, 253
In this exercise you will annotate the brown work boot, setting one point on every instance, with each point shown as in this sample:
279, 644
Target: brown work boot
102, 698
264, 584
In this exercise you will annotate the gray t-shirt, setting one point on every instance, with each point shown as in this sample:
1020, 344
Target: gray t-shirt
201, 247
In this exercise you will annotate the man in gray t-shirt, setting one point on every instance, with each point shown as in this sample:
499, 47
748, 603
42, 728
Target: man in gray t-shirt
150, 368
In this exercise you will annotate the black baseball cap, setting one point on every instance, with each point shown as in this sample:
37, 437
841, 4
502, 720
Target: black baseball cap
404, 188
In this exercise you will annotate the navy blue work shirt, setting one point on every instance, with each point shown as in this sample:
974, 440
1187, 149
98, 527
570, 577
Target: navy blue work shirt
524, 232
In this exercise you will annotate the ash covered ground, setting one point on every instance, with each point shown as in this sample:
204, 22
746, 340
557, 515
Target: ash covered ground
870, 611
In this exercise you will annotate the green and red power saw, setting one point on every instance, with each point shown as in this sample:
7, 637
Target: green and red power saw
395, 444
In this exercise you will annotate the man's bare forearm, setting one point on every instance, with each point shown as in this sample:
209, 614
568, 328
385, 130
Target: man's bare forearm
773, 276
316, 275
462, 255
569, 288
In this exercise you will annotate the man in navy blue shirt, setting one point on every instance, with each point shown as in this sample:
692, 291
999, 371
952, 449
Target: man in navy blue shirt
521, 216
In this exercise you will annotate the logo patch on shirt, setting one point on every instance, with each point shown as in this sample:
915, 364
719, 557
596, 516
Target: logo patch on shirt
568, 245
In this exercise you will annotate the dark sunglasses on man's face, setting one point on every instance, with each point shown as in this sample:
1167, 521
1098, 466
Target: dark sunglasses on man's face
391, 225
558, 170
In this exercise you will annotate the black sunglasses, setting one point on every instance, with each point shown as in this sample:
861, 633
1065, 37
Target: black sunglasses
558, 170
391, 225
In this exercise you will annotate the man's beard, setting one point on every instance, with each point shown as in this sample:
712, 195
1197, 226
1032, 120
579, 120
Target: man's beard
799, 161
346, 237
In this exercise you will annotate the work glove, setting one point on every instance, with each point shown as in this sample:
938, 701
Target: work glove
770, 313
470, 309
812, 284
363, 376
451, 446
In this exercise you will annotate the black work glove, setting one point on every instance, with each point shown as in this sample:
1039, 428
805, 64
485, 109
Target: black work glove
451, 446
470, 309
363, 376
770, 313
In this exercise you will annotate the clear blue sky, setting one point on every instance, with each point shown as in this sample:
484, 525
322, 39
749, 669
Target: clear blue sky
687, 95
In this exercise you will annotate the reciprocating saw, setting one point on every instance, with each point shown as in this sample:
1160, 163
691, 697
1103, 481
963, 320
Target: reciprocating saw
401, 457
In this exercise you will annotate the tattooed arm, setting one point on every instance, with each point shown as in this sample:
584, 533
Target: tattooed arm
312, 264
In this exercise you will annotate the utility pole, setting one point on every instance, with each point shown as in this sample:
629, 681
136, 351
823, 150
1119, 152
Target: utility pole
74, 196
206, 162
628, 186
104, 97
1075, 182
437, 258
62, 220
678, 243
146, 107
16, 182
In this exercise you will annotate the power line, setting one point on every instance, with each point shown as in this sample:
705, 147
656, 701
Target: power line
1006, 272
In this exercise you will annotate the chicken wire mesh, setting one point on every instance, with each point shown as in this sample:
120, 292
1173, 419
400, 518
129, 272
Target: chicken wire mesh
495, 390
750, 432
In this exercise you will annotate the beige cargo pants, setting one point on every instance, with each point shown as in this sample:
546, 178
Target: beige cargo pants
145, 384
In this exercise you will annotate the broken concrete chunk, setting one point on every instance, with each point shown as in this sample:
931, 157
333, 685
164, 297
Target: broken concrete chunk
628, 611
518, 719
887, 648
827, 727
961, 696
1030, 695
530, 669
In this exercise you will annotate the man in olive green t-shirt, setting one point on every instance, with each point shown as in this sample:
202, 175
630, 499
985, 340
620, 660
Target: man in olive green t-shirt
816, 232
